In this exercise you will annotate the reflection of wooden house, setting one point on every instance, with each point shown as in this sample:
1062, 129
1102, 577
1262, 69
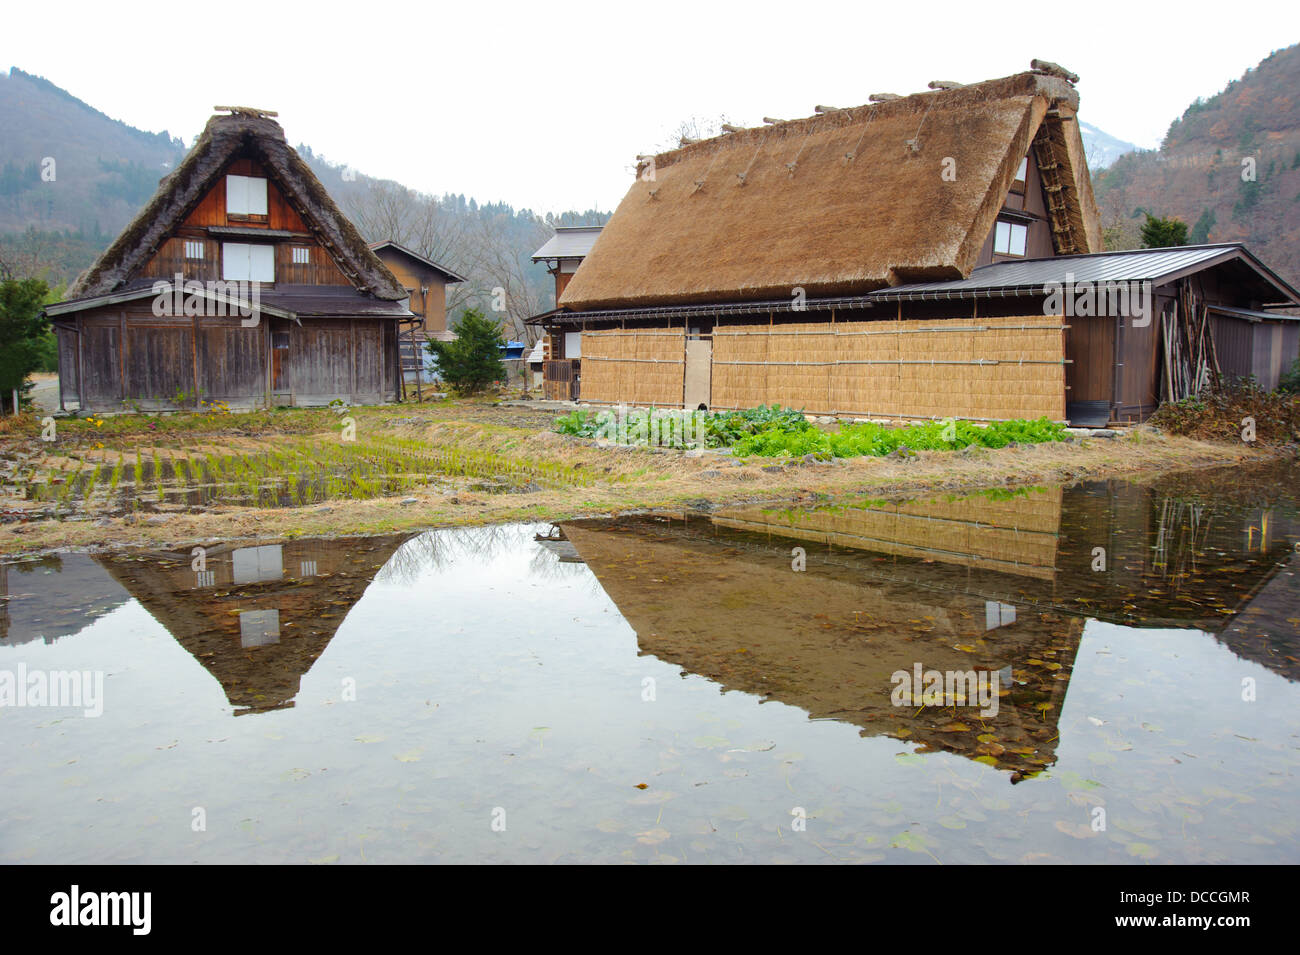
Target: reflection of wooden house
894, 260
256, 617
240, 281
53, 597
426, 283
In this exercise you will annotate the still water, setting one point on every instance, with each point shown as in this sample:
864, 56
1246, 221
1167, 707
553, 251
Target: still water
703, 687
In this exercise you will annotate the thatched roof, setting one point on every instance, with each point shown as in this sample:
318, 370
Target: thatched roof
843, 202
226, 138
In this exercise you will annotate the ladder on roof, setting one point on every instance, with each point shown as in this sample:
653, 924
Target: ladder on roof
1056, 189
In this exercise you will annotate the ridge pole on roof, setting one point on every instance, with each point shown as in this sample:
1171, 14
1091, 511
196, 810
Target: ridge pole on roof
1048, 68
882, 97
246, 111
945, 85
827, 109
770, 120
728, 128
687, 141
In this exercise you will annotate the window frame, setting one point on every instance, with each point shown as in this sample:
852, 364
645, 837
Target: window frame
1011, 226
232, 252
240, 193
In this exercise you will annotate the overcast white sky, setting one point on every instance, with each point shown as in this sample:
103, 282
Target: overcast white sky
545, 105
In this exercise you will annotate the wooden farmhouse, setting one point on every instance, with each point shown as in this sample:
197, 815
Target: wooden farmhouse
426, 284
921, 256
240, 282
563, 253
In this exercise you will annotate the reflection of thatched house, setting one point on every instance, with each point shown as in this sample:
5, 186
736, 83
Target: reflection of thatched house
726, 604
892, 260
54, 596
985, 581
242, 207
256, 617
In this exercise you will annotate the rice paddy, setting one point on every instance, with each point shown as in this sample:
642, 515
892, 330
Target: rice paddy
296, 473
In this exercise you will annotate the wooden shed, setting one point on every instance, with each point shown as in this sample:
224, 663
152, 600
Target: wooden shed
913, 258
241, 282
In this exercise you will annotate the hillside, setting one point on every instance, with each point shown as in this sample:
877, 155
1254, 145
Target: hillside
1101, 147
1197, 173
105, 171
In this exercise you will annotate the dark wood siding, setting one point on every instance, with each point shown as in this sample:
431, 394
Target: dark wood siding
231, 360
131, 358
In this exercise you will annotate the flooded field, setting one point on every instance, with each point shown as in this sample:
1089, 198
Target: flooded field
1104, 673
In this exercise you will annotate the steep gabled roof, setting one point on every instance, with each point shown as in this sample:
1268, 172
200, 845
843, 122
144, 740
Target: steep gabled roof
447, 273
225, 138
843, 202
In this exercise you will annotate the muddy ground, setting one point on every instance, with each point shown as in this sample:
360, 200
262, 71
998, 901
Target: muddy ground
605, 480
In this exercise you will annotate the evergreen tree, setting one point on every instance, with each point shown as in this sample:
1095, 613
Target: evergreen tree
1163, 233
24, 330
473, 360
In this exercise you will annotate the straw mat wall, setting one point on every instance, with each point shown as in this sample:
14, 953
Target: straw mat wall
636, 366
988, 369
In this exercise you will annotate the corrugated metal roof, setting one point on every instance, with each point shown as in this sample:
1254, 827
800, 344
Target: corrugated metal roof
1138, 265
569, 242
1024, 278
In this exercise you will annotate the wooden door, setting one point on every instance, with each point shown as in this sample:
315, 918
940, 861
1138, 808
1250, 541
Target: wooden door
699, 373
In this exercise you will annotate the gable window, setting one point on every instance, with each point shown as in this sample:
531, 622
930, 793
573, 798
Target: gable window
245, 196
242, 262
193, 249
1023, 171
1009, 238
301, 255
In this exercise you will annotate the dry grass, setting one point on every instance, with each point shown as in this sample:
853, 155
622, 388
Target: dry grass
616, 479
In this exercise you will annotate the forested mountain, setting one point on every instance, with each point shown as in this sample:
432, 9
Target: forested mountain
1229, 167
55, 217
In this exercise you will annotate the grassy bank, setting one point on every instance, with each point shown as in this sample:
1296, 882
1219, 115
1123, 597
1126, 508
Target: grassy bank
175, 480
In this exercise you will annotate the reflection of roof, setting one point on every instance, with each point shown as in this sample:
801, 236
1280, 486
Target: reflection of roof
259, 616
569, 242
832, 652
53, 597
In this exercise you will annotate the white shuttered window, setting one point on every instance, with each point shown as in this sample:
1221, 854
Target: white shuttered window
245, 196
242, 262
